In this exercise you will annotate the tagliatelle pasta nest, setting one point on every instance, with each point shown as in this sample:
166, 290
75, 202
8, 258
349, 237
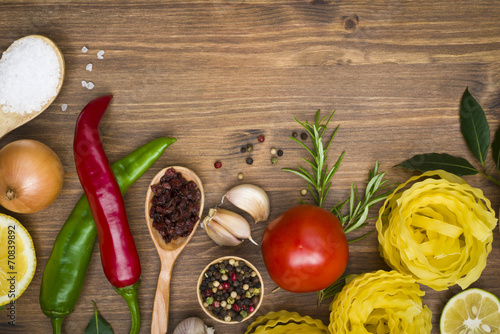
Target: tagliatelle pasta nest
439, 230
284, 322
380, 302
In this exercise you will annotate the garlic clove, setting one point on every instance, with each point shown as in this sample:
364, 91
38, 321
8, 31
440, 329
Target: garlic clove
192, 325
250, 198
234, 223
220, 235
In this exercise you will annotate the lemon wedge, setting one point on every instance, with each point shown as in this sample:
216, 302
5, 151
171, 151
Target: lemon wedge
17, 259
471, 311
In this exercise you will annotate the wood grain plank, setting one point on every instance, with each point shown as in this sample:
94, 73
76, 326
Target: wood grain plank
216, 74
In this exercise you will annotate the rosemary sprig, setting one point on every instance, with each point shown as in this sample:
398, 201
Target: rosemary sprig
332, 290
357, 215
319, 183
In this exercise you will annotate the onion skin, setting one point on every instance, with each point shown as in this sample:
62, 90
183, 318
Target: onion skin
31, 176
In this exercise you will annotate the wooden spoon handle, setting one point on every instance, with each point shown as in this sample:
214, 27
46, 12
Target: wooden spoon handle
159, 322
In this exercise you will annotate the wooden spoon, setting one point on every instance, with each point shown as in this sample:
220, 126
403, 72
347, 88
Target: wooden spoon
168, 252
13, 120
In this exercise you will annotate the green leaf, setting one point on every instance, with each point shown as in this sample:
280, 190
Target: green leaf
306, 176
474, 126
97, 324
433, 161
495, 148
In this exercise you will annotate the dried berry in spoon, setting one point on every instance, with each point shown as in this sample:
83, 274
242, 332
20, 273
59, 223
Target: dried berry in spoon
174, 206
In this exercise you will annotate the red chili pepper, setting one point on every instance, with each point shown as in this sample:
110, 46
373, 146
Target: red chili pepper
119, 256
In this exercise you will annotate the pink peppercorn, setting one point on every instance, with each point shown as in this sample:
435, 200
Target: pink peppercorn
218, 164
236, 308
261, 139
216, 304
225, 285
234, 277
251, 309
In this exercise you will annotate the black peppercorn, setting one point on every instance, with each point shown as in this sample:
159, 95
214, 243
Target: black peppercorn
294, 134
249, 161
231, 298
243, 149
303, 136
280, 153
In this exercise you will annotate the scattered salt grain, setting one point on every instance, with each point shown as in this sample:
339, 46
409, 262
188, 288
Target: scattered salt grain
89, 67
84, 49
64, 107
84, 83
29, 76
90, 85
100, 54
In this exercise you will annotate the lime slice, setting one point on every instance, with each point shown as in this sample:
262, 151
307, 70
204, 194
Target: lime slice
17, 259
471, 311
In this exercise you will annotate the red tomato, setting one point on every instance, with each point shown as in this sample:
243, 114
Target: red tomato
305, 249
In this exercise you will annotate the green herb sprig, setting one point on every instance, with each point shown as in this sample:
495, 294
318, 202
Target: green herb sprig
476, 132
357, 214
319, 183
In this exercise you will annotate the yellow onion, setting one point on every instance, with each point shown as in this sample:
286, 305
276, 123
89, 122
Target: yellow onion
31, 176
439, 230
380, 302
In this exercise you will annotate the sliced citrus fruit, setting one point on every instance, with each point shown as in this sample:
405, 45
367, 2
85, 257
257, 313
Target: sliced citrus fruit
17, 259
471, 311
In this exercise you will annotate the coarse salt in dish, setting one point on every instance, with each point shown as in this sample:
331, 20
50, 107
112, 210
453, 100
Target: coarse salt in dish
29, 76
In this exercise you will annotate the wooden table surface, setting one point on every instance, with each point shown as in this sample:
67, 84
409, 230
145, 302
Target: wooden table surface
216, 74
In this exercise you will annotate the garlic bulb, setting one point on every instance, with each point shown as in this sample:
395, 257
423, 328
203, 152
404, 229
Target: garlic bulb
226, 228
250, 198
193, 325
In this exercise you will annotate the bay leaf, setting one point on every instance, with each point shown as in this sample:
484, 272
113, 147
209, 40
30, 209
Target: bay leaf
97, 324
433, 161
495, 149
474, 126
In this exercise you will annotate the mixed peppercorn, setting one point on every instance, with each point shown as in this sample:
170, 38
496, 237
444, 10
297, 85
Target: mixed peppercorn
175, 205
230, 290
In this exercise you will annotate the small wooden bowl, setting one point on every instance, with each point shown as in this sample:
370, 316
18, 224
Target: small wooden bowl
200, 298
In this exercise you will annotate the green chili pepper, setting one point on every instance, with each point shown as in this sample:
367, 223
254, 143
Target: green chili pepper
65, 270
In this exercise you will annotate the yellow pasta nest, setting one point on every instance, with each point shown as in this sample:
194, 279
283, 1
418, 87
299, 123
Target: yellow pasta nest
284, 322
380, 302
439, 230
